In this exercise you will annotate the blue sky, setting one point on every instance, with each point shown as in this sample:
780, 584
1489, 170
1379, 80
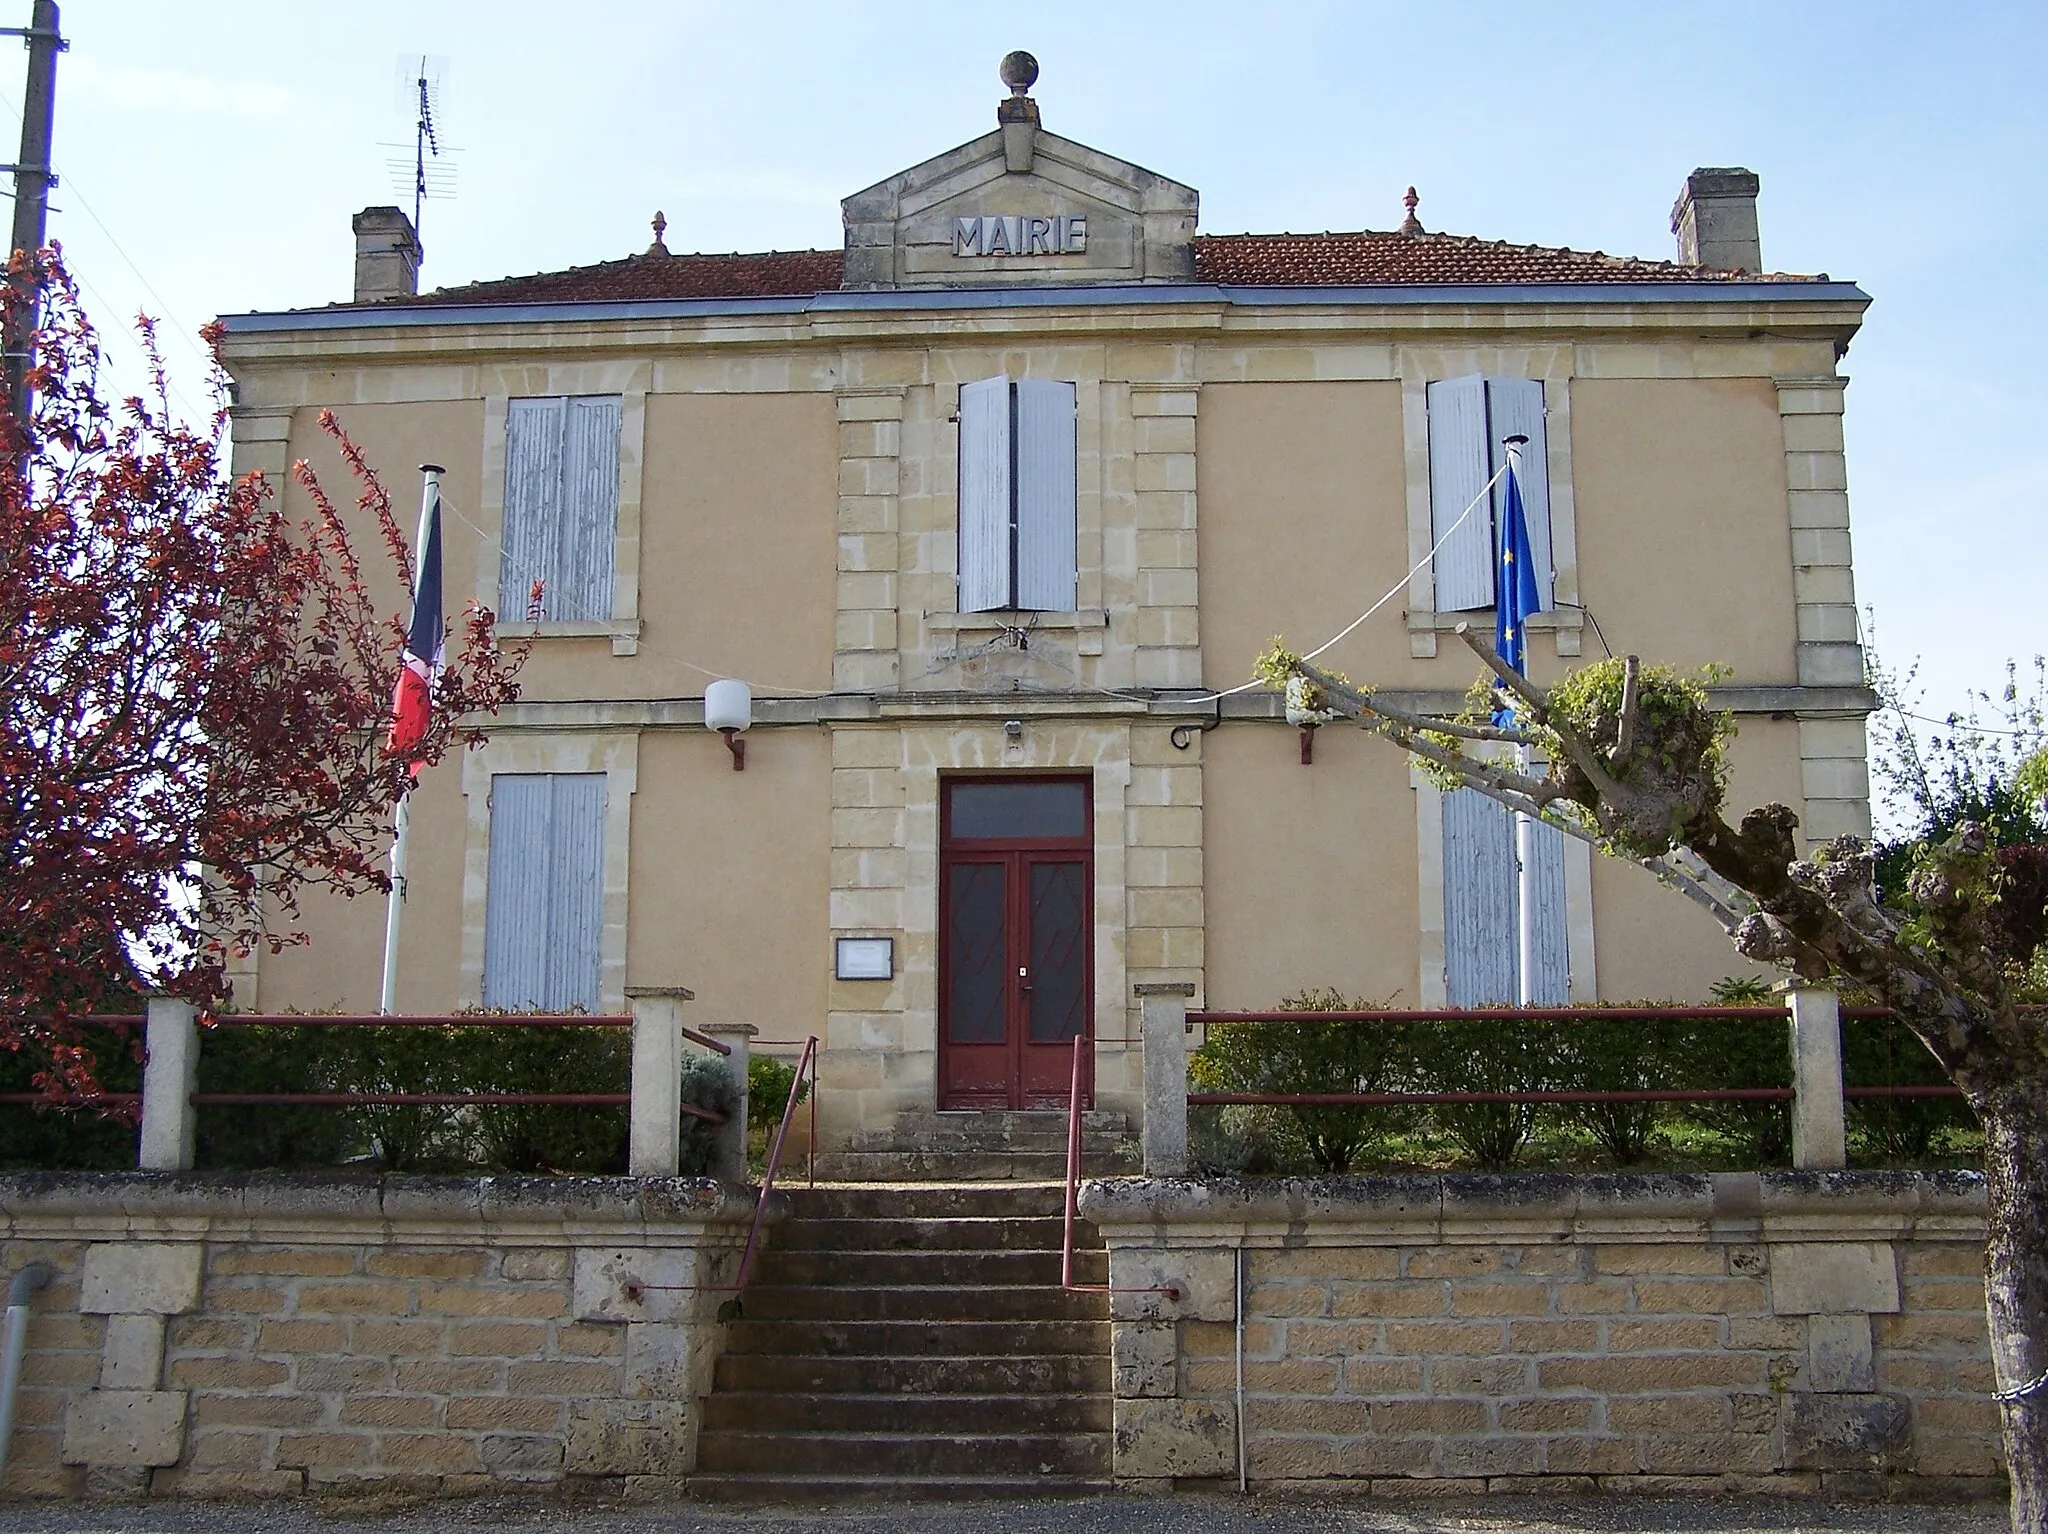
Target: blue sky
213, 152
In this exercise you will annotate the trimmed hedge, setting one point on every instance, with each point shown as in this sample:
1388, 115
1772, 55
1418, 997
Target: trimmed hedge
1510, 1054
494, 1137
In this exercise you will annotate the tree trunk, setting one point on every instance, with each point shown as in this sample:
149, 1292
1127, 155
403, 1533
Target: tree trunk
2016, 1284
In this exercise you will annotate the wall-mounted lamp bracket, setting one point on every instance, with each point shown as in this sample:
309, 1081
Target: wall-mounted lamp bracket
1308, 745
736, 743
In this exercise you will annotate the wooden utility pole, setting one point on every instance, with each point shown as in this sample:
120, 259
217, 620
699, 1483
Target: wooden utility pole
32, 182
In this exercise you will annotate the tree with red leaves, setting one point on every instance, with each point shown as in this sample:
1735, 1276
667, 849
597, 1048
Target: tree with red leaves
194, 693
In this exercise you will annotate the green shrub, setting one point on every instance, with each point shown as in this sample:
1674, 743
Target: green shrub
1741, 1052
707, 1084
1622, 1055
1288, 1058
769, 1082
36, 1138
426, 1138
1511, 1055
1881, 1052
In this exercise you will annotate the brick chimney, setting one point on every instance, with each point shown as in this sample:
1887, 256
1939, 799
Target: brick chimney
387, 255
1715, 220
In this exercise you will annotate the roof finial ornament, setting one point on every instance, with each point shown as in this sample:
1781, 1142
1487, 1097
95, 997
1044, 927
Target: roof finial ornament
660, 227
1411, 224
1019, 71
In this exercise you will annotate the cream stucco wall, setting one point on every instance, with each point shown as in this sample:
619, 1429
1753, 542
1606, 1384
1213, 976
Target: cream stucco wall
1302, 492
737, 540
1310, 872
730, 882
1685, 552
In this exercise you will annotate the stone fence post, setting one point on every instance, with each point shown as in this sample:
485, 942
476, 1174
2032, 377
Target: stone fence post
655, 1117
170, 1072
729, 1160
1165, 1040
1819, 1129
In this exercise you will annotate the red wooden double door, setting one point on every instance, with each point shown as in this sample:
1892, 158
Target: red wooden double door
1016, 940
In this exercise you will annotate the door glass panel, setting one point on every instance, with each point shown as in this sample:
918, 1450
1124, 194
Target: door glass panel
1059, 952
977, 959
997, 811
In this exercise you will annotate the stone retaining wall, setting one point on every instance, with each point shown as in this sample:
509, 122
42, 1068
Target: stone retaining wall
1800, 1332
268, 1335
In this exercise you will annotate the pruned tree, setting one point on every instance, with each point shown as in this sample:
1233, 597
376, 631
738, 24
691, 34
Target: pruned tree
194, 692
1631, 759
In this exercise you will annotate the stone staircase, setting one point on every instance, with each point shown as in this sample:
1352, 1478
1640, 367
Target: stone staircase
1027, 1146
914, 1341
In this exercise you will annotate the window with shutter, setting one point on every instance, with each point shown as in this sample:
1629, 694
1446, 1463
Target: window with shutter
1017, 495
1468, 418
561, 507
1482, 901
543, 904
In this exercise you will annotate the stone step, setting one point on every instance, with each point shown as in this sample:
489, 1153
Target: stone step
944, 1305
965, 1166
1057, 1373
912, 1268
958, 1234
1042, 1199
1039, 1127
774, 1411
963, 1455
900, 1339
827, 1490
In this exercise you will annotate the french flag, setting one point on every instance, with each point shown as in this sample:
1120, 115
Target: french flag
412, 709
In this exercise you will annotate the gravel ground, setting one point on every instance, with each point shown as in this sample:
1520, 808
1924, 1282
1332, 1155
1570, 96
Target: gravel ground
1213, 1514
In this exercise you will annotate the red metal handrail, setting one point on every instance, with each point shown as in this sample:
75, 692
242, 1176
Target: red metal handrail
1489, 1014
449, 1020
1395, 1099
433, 1100
635, 1290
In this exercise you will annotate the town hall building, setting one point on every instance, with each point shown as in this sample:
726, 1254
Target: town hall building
992, 509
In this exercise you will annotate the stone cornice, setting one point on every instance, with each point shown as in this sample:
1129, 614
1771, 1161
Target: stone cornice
1492, 1209
475, 333
287, 1207
854, 707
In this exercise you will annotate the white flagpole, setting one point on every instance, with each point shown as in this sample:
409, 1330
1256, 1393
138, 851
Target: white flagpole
1525, 839
1525, 896
394, 907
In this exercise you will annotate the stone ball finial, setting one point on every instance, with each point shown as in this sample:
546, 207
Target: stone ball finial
1019, 71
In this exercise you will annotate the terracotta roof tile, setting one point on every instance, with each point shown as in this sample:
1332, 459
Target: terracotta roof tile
1369, 256
1307, 260
768, 274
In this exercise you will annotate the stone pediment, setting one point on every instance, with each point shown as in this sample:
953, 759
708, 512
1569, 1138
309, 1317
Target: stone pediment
1019, 207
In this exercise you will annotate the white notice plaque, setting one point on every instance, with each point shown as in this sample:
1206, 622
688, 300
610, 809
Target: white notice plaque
864, 958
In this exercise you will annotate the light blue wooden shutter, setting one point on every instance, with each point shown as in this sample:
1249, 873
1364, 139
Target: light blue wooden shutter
1515, 405
543, 907
1482, 902
1553, 987
985, 506
529, 542
1479, 901
1458, 471
1045, 495
575, 920
590, 510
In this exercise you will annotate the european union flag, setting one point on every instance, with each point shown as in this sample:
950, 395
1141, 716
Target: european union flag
1516, 593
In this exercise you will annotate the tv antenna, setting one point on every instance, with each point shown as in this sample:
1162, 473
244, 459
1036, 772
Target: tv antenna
421, 78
